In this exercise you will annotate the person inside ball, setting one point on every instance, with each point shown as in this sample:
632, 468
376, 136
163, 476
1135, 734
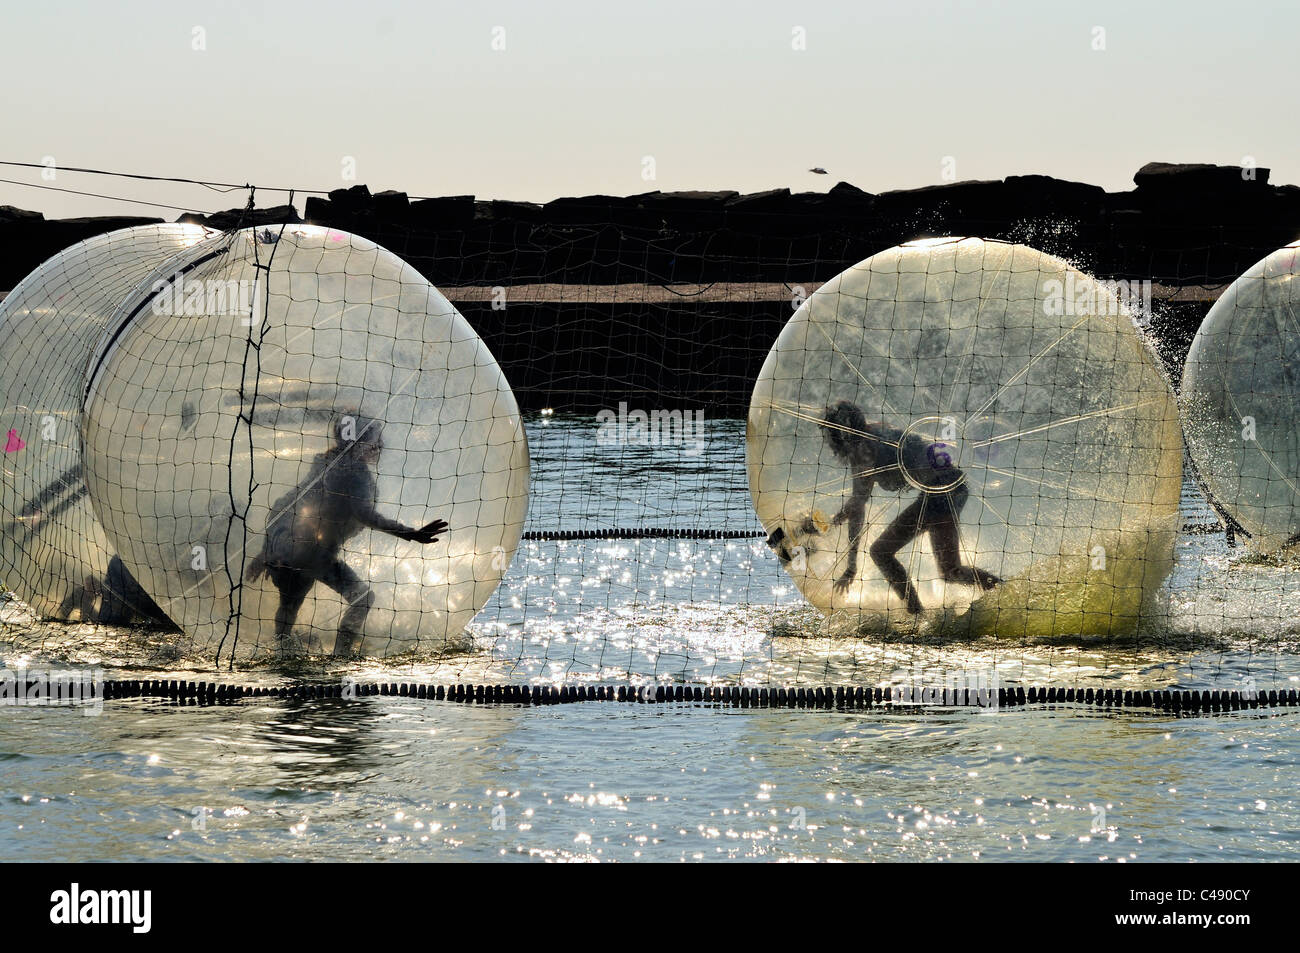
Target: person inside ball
309, 525
877, 455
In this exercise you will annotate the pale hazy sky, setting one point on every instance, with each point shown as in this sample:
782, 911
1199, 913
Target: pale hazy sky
583, 90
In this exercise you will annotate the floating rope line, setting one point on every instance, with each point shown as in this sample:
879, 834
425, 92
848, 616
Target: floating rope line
829, 697
664, 532
647, 532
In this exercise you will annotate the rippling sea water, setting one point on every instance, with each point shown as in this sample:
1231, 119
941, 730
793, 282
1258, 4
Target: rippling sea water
403, 779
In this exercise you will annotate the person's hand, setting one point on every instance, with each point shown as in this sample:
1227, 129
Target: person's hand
845, 580
428, 533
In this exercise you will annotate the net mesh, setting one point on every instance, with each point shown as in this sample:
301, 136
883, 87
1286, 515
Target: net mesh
52, 550
632, 356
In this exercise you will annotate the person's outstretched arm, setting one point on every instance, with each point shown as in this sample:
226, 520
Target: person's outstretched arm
862, 487
362, 493
854, 510
428, 533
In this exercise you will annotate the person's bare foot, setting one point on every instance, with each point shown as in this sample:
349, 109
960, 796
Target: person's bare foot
347, 644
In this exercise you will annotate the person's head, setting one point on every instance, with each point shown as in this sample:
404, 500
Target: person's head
844, 428
364, 435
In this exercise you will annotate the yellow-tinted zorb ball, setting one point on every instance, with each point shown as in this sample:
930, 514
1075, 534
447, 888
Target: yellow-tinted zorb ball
53, 553
970, 434
274, 430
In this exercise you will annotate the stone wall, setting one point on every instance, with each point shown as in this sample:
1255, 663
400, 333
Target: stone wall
1191, 229
1180, 225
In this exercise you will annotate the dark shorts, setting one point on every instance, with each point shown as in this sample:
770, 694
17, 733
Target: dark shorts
294, 583
937, 508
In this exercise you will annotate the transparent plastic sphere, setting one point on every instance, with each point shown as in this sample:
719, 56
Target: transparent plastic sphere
271, 420
989, 423
1241, 401
53, 553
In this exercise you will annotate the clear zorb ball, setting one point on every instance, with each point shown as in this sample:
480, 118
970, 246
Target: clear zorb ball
1241, 401
53, 553
275, 422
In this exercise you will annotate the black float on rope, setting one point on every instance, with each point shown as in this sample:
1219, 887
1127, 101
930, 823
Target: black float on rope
645, 532
842, 697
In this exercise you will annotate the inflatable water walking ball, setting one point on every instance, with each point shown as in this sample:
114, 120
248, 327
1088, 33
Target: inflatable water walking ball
293, 440
53, 553
1241, 401
972, 435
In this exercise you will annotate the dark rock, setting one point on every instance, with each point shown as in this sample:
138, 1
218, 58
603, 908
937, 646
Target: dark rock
1117, 202
317, 210
847, 192
1193, 177
843, 199
10, 214
276, 214
686, 201
1199, 200
1044, 195
935, 208
987, 206
775, 212
26, 242
679, 213
849, 202
351, 200
1181, 224
392, 206
503, 211
588, 209
947, 190
242, 218
453, 211
1287, 199
98, 224
773, 200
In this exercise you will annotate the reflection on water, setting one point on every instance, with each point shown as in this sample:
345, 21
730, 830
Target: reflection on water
407, 779
398, 779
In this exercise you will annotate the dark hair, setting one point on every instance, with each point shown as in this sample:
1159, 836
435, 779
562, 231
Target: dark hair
847, 427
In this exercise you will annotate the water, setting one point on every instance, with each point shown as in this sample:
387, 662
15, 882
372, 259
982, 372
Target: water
394, 778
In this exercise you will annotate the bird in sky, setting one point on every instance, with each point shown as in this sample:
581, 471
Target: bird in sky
818, 170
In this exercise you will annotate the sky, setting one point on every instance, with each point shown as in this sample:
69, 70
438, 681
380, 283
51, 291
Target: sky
531, 101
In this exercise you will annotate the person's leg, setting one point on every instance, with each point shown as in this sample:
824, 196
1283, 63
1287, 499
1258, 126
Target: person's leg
884, 551
294, 585
340, 577
943, 522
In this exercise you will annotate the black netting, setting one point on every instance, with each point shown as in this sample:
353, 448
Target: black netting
765, 448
